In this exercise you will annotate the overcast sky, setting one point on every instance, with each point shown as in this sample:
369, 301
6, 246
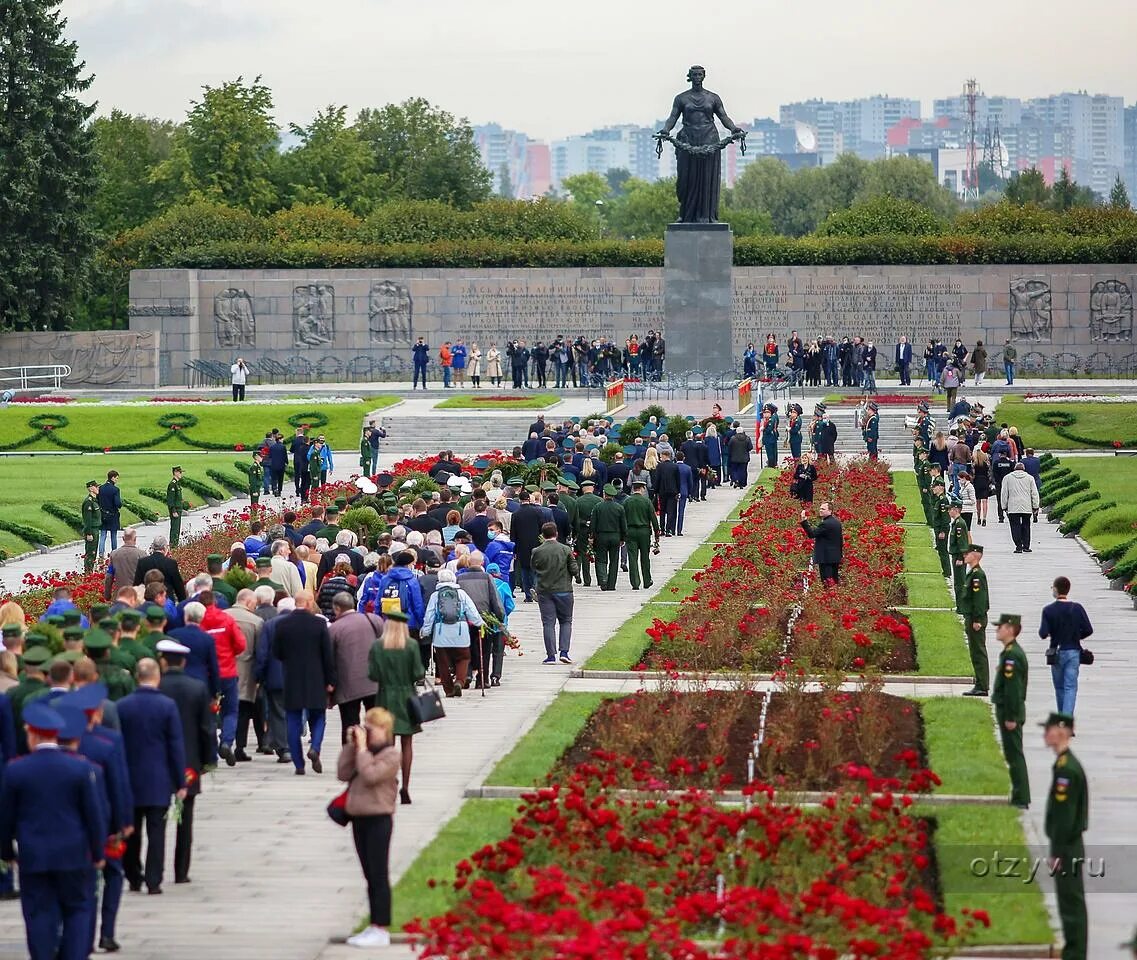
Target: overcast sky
553, 69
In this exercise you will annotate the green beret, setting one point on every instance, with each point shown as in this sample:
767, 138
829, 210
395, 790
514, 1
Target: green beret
97, 639
12, 629
71, 617
1014, 619
130, 616
155, 614
36, 656
611, 490
1063, 720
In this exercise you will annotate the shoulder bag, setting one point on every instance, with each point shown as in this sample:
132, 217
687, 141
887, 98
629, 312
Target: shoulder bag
426, 706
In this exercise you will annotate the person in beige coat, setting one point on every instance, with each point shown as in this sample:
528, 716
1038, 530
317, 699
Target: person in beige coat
369, 765
284, 570
249, 706
352, 635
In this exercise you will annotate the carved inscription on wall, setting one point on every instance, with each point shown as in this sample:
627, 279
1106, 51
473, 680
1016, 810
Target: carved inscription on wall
882, 310
758, 308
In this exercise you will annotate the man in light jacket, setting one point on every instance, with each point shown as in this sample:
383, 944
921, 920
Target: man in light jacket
1018, 496
284, 571
451, 640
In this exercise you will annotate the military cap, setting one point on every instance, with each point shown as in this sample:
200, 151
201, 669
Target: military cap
215, 558
331, 511
175, 469
36, 639
1062, 720
974, 548
42, 718
108, 624
454, 482
548, 485
586, 482
570, 483
90, 696
384, 480
99, 610
341, 502
54, 620
36, 656
172, 646
1012, 618
70, 656
532, 487
515, 482
155, 614
955, 503
74, 721
262, 562
92, 483
611, 490
938, 482
97, 639
872, 405
640, 483
12, 629
73, 633
480, 464
71, 617
407, 485
130, 616
441, 477
397, 615
922, 407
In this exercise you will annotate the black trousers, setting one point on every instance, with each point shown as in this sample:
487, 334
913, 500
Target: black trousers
373, 845
155, 820
277, 482
829, 571
668, 512
1020, 529
183, 842
250, 711
238, 392
349, 714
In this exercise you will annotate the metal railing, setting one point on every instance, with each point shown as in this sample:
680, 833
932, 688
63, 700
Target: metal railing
25, 377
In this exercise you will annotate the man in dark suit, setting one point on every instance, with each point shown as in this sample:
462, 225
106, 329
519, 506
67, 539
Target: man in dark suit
695, 456
110, 509
159, 559
192, 700
51, 813
618, 471
478, 526
201, 661
156, 759
277, 463
525, 531
903, 358
827, 541
302, 644
313, 526
667, 489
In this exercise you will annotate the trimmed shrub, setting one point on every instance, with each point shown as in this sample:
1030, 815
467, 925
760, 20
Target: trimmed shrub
72, 518
882, 216
32, 535
206, 490
140, 510
1076, 518
1062, 509
363, 521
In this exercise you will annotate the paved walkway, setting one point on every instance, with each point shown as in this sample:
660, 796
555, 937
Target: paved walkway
273, 877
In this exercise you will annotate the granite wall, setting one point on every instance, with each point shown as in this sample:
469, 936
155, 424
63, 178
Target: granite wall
120, 358
336, 322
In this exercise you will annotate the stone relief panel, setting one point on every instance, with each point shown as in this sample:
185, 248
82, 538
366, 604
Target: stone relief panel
1031, 310
233, 318
314, 314
389, 313
1111, 312
98, 359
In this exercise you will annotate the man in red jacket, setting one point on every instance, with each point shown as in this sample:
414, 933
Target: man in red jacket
230, 642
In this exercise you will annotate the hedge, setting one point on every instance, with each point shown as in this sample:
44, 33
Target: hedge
1060, 510
72, 518
1075, 520
230, 480
206, 490
140, 510
32, 535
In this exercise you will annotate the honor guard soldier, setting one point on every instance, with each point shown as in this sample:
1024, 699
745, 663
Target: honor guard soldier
586, 504
92, 521
609, 530
1067, 818
175, 505
940, 523
870, 430
958, 540
974, 604
643, 530
384, 494
52, 818
256, 479
1009, 696
119, 682
32, 686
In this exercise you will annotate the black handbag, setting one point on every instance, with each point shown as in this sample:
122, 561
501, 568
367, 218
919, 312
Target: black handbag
1051, 656
1085, 657
426, 706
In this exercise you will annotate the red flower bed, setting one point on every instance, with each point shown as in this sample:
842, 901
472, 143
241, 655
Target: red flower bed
46, 398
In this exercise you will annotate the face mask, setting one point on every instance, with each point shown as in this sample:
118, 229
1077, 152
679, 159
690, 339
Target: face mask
491, 535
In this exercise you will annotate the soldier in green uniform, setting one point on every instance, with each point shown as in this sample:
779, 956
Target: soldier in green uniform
175, 505
155, 628
609, 531
1009, 696
116, 655
213, 567
365, 452
941, 520
331, 527
923, 482
974, 604
264, 570
1067, 818
33, 684
958, 540
385, 495
129, 623
98, 645
92, 520
642, 524
256, 479
585, 507
315, 467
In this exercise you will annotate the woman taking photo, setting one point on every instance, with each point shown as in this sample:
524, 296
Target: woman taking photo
394, 663
369, 765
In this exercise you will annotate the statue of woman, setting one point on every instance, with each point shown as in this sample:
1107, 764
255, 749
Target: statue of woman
699, 168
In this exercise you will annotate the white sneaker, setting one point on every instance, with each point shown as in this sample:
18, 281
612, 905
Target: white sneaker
371, 937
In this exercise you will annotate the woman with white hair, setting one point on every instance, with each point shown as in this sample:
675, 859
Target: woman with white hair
449, 615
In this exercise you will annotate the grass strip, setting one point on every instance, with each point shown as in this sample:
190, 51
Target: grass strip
941, 645
680, 586
968, 838
928, 590
623, 649
722, 533
919, 554
701, 558
472, 401
535, 754
908, 495
962, 748
477, 823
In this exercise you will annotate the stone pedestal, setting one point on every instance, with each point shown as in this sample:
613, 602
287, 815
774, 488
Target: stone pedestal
697, 296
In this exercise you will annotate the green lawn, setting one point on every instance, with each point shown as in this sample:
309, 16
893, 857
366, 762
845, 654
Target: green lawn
701, 558
908, 495
1115, 478
30, 481
919, 554
680, 586
1101, 423
928, 590
941, 645
623, 649
477, 823
962, 746
966, 835
721, 533
473, 401
535, 754
120, 427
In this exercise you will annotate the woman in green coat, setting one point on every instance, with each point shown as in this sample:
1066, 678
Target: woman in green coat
394, 663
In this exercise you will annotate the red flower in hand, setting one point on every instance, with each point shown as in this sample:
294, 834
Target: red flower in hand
190, 776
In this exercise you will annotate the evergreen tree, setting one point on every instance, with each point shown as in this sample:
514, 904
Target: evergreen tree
1118, 195
504, 183
47, 170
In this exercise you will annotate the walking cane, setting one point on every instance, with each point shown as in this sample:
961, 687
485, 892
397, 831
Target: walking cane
484, 674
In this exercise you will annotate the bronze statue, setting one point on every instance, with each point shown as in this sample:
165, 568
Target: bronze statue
698, 148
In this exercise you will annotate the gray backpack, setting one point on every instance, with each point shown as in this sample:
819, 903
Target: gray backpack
449, 605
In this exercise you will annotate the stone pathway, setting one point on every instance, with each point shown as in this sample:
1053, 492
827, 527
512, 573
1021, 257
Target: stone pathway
273, 877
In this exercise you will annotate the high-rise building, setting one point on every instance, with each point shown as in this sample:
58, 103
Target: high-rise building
1129, 174
1006, 111
626, 147
1097, 125
867, 120
505, 155
825, 117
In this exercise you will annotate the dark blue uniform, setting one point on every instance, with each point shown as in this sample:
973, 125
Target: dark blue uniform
51, 812
8, 751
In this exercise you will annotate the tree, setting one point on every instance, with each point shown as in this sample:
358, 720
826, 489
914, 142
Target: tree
227, 149
331, 164
644, 210
882, 216
47, 172
127, 150
907, 178
617, 178
795, 202
1066, 193
1118, 195
1027, 186
504, 182
424, 153
588, 192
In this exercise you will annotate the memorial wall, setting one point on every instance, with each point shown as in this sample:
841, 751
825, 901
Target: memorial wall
329, 318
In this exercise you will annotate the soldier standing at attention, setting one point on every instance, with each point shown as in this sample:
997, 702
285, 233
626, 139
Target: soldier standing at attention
940, 523
974, 603
1067, 818
958, 540
92, 521
642, 523
609, 531
1009, 697
871, 430
586, 504
256, 479
175, 505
